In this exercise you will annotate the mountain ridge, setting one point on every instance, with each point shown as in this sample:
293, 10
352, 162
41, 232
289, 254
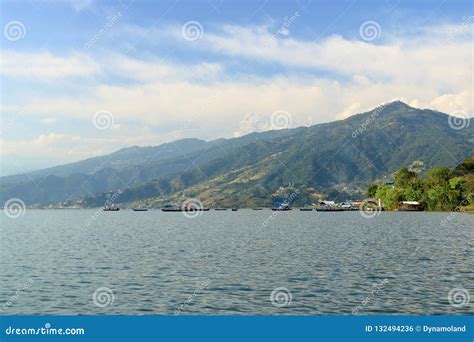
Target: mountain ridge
348, 152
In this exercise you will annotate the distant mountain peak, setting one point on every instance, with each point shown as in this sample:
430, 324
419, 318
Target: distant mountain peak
396, 104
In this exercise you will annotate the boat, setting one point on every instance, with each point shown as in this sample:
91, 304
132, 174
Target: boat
281, 209
220, 209
306, 209
179, 209
329, 209
348, 206
111, 209
257, 208
140, 209
235, 209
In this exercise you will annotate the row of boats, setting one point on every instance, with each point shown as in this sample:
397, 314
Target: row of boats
279, 208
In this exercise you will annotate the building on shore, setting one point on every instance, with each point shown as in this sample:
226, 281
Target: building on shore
409, 206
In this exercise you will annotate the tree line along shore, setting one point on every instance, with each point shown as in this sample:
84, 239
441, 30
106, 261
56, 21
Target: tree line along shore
438, 189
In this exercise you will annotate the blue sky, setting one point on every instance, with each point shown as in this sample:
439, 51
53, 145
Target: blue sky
84, 78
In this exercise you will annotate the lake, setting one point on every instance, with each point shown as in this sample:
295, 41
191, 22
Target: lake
77, 262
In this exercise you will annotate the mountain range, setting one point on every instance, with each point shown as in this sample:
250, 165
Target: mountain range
336, 159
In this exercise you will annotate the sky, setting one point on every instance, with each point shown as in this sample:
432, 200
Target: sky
85, 78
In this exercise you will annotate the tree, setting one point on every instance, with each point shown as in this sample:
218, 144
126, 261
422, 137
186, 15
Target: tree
371, 191
390, 196
439, 175
457, 183
404, 177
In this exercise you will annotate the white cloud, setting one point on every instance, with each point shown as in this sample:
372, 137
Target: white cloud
46, 66
429, 71
48, 120
52, 138
156, 69
79, 5
253, 122
434, 61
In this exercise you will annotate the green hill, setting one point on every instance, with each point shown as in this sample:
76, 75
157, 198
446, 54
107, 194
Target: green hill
333, 159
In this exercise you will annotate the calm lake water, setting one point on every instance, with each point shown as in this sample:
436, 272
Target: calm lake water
75, 262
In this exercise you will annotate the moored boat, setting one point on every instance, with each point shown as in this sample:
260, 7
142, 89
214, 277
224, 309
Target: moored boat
306, 209
179, 209
140, 209
329, 209
285, 208
111, 209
